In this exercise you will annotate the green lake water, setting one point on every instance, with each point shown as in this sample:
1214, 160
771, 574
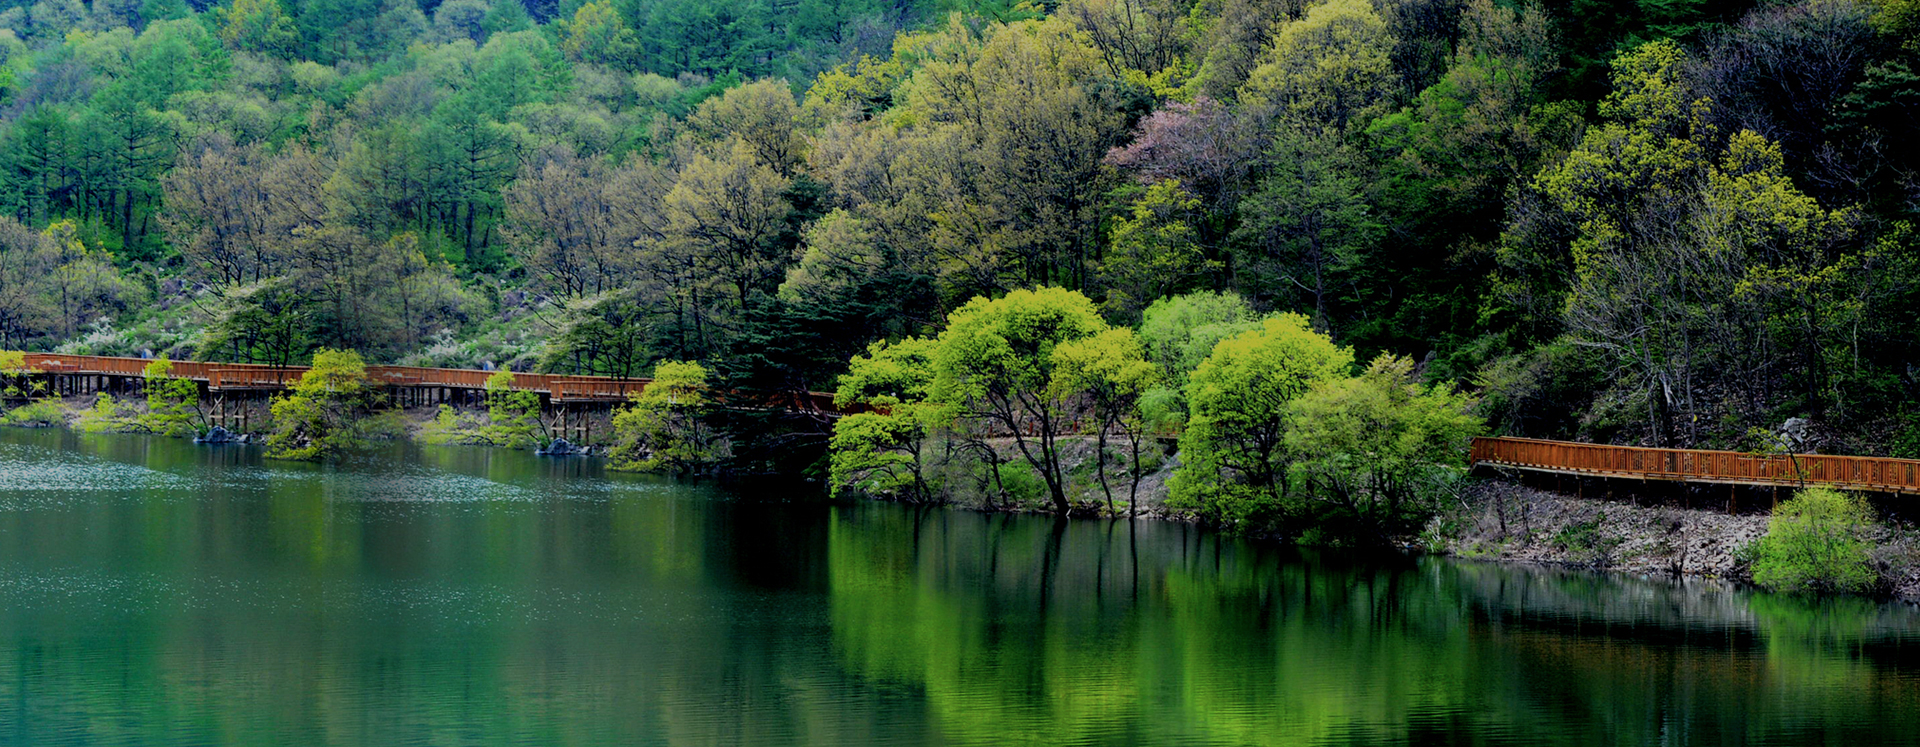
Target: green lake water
157, 593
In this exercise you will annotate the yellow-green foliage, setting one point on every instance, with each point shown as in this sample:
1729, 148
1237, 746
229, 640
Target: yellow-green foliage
513, 417
1380, 447
664, 430
38, 413
1328, 68
1233, 462
13, 369
882, 453
173, 405
107, 415
1813, 543
996, 365
1179, 332
444, 428
328, 412
1109, 374
1690, 249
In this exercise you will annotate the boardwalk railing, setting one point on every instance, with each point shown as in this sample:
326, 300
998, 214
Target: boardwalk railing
244, 377
1882, 474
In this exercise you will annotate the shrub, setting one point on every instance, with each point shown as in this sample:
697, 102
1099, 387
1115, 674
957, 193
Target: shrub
1813, 544
173, 407
444, 428
513, 417
107, 415
38, 413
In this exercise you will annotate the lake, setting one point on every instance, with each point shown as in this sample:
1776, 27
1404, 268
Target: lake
160, 593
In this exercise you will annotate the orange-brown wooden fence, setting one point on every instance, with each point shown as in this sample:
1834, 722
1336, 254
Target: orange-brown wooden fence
1883, 474
243, 376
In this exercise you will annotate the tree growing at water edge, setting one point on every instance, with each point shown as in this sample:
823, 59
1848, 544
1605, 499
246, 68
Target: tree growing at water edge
330, 411
996, 366
665, 428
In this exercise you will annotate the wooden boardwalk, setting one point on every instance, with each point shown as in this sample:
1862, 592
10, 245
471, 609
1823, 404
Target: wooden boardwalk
1877, 474
242, 377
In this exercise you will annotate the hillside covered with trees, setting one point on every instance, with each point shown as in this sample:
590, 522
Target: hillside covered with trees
1667, 222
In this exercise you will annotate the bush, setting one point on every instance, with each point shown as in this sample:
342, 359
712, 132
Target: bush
445, 428
38, 413
173, 405
1813, 544
107, 415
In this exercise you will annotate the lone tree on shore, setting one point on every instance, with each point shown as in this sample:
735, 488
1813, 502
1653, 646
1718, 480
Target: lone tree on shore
665, 428
328, 412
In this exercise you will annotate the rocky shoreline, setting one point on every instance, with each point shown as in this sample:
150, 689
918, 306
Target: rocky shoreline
1506, 521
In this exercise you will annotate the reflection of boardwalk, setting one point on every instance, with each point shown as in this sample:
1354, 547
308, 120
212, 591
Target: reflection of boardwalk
1882, 474
424, 385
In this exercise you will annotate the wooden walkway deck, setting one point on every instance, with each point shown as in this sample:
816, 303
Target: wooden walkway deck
1878, 474
242, 377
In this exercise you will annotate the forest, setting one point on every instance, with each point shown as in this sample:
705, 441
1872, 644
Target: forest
1662, 222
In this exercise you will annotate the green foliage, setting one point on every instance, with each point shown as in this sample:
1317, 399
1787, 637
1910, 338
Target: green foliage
884, 452
1233, 461
1696, 266
512, 420
1110, 373
173, 404
597, 33
258, 26
1814, 544
997, 364
665, 428
1154, 251
446, 427
1381, 448
1179, 332
37, 413
1309, 226
269, 322
513, 417
878, 454
328, 412
613, 183
107, 415
1329, 68
603, 335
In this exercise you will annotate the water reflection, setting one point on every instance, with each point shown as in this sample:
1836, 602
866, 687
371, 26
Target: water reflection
1173, 636
156, 592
